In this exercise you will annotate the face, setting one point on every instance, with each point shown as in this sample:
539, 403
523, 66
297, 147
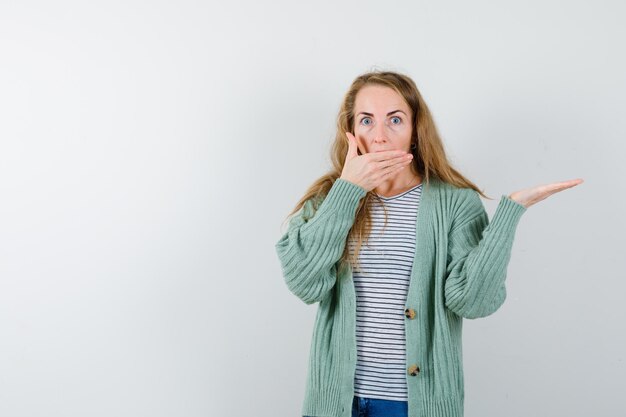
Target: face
382, 120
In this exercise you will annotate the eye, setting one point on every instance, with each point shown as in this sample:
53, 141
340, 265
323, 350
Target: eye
363, 120
399, 120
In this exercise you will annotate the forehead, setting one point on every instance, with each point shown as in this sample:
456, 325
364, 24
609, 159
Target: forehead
380, 98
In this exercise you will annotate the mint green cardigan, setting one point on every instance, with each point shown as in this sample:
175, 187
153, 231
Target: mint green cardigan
459, 271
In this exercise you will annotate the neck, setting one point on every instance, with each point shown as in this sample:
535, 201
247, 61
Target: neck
399, 183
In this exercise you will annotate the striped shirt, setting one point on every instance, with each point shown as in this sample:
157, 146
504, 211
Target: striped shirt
381, 285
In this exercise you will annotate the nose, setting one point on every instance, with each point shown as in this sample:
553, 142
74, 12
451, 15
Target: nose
380, 133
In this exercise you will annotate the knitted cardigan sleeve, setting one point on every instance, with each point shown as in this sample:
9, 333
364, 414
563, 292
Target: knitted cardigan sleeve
478, 256
315, 241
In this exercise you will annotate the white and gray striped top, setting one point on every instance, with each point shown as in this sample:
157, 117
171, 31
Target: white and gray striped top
381, 288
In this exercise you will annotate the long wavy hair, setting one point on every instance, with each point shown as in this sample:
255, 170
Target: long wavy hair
429, 157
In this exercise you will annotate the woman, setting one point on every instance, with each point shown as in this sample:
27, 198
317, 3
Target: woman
396, 247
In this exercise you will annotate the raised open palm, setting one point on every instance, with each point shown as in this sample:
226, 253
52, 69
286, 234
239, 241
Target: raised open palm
529, 196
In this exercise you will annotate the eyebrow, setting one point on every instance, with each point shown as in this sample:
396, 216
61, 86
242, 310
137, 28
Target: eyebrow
388, 114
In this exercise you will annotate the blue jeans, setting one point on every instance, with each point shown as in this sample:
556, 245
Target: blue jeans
374, 407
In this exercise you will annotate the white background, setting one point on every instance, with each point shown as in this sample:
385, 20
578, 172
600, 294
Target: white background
150, 152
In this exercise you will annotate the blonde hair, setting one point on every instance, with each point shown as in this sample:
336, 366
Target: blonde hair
429, 157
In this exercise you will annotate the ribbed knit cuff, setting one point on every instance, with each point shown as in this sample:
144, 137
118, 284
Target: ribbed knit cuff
339, 205
508, 214
344, 195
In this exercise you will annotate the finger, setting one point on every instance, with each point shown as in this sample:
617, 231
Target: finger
393, 163
560, 186
392, 170
572, 183
568, 183
388, 155
352, 146
359, 146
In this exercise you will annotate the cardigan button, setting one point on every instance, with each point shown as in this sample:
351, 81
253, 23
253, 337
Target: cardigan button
409, 313
414, 370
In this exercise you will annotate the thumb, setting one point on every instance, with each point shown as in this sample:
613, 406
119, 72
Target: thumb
352, 146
